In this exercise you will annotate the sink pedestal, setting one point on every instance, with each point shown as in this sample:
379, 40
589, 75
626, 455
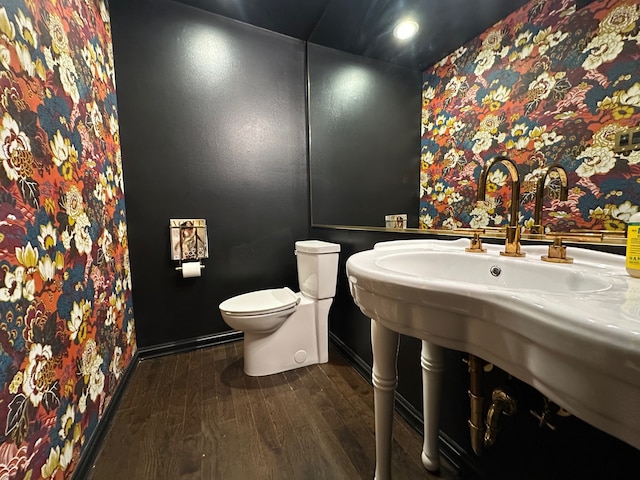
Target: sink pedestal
384, 343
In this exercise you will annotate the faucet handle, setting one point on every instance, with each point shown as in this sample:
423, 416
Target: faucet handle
476, 242
599, 234
558, 251
537, 229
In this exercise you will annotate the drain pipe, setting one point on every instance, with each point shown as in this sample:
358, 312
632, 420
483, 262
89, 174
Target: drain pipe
502, 403
484, 432
476, 420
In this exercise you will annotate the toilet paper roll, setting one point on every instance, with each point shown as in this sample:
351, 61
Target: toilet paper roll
191, 269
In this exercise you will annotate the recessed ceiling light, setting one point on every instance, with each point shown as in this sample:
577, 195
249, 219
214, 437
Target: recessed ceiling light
406, 29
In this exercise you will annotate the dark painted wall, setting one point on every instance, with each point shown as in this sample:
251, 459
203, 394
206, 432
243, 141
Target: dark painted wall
524, 450
212, 116
364, 122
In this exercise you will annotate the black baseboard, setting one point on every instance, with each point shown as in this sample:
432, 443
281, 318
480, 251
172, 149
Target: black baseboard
189, 344
92, 447
362, 367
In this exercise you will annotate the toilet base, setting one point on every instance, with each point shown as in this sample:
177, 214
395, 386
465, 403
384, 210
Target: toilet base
299, 342
260, 365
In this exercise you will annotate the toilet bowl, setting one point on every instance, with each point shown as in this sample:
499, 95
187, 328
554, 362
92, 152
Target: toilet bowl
283, 329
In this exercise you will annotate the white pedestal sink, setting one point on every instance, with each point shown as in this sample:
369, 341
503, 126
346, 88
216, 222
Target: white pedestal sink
572, 331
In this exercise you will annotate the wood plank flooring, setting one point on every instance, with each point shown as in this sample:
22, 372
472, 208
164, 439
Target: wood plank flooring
197, 416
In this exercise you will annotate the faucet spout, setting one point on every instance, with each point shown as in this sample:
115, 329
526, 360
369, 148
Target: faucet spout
564, 190
512, 244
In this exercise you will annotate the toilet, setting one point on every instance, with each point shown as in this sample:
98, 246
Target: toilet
283, 329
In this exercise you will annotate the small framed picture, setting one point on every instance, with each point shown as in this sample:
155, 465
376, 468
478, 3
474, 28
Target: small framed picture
397, 220
188, 238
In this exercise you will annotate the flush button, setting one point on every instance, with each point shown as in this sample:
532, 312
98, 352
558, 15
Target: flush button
300, 356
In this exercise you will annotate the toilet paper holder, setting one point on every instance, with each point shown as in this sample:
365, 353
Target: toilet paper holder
189, 242
179, 269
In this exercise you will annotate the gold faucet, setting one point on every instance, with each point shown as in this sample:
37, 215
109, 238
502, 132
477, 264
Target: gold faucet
564, 189
512, 243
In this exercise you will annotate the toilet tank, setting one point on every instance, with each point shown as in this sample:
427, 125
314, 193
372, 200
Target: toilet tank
317, 268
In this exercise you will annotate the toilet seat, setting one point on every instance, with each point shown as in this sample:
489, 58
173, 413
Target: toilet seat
260, 302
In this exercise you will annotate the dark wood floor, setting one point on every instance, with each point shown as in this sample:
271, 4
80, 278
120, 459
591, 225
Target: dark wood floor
196, 415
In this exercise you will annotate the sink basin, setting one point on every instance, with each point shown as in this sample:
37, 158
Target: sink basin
489, 271
572, 331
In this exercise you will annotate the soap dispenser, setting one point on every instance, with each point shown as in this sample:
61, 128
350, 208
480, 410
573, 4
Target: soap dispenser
633, 246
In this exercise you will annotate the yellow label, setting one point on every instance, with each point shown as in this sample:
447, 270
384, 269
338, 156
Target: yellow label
633, 246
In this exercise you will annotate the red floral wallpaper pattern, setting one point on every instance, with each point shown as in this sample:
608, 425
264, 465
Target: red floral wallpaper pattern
546, 85
66, 320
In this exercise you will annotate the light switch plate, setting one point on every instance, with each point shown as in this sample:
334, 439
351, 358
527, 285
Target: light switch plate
627, 140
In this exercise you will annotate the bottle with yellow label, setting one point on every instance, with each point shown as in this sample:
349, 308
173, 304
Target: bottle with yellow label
633, 246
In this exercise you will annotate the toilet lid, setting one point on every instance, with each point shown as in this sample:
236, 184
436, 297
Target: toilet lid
316, 247
260, 302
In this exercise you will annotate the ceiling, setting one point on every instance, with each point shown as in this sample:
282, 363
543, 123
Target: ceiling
364, 27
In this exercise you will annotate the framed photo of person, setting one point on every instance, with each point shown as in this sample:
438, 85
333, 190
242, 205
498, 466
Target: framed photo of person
188, 239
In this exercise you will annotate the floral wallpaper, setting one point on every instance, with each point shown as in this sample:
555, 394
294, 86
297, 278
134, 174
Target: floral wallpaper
66, 321
547, 85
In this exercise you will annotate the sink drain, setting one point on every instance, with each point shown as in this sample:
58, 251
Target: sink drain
495, 271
